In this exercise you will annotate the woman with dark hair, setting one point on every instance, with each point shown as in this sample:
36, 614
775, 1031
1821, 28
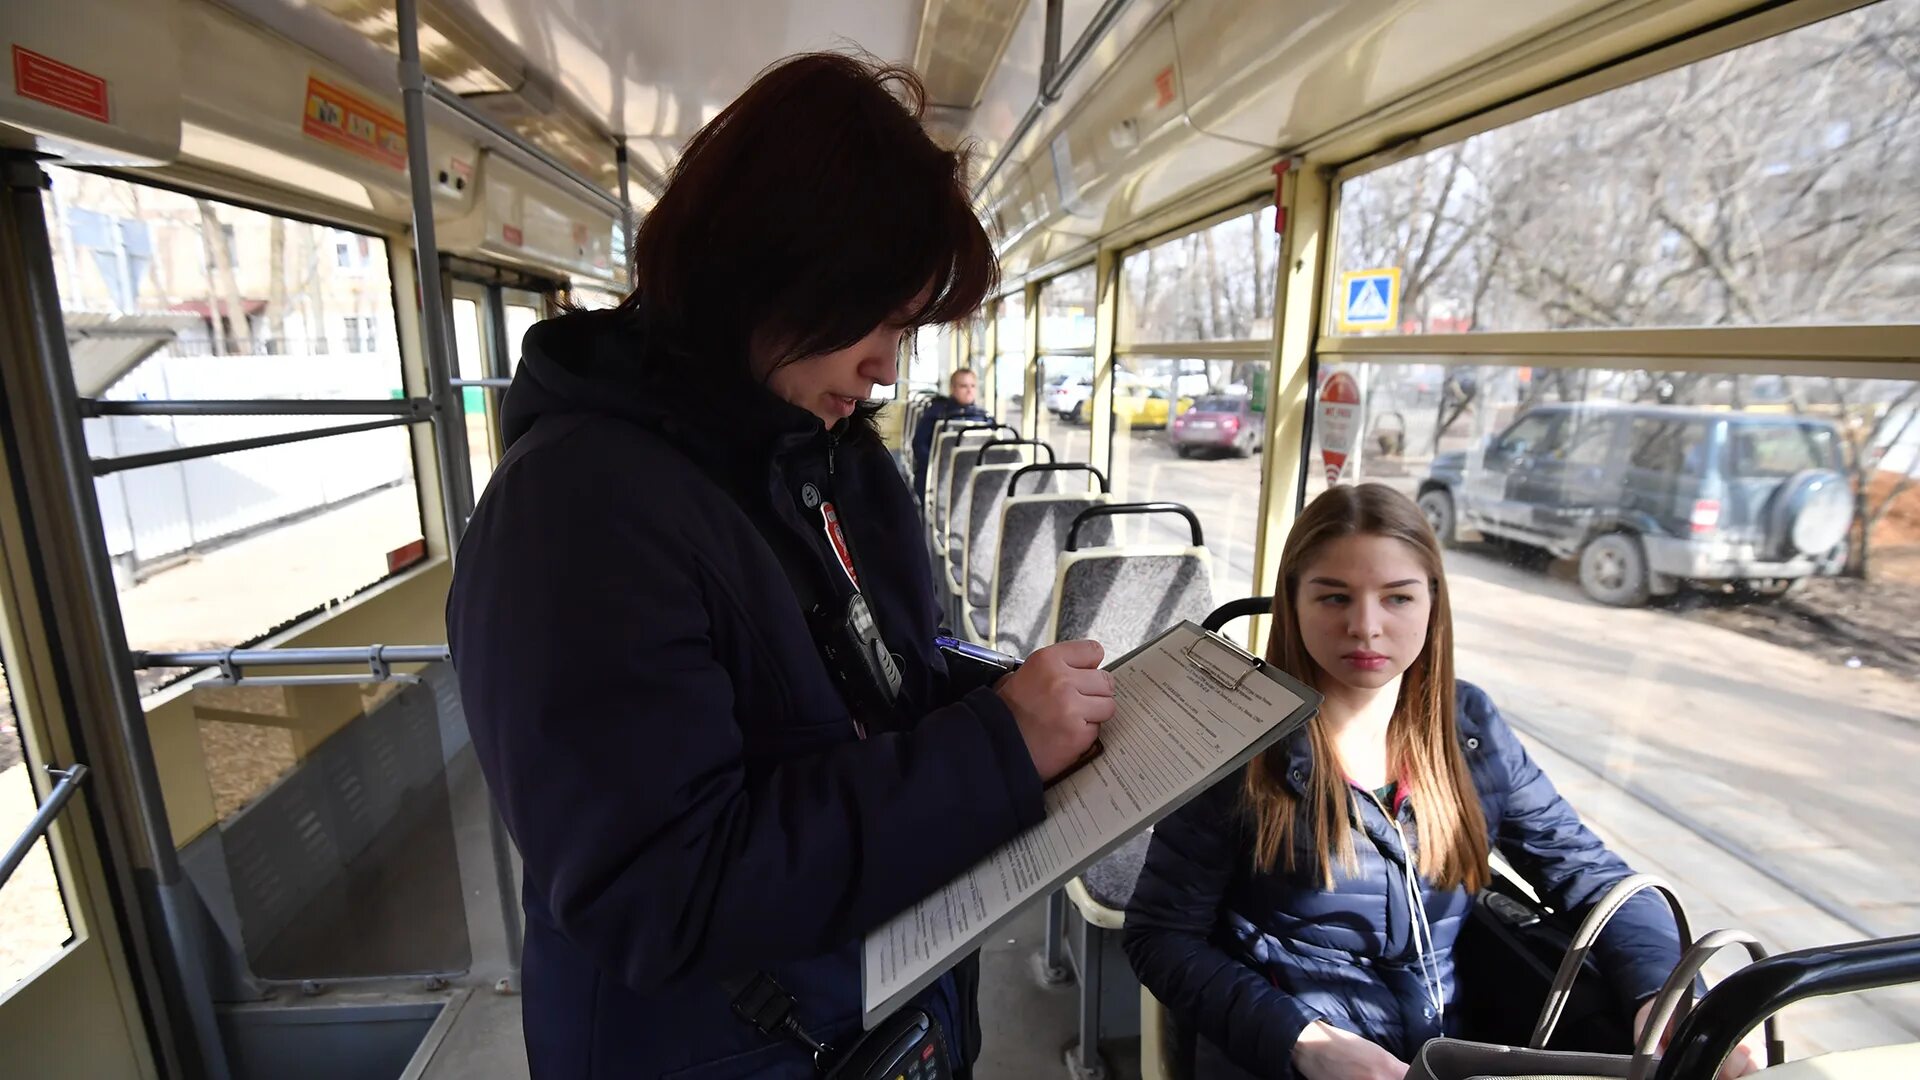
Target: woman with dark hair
1300, 917
693, 616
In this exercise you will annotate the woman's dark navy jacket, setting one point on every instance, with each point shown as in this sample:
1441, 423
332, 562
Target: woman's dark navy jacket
1249, 959
672, 758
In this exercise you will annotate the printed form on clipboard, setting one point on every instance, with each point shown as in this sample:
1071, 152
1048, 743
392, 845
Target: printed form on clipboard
1190, 708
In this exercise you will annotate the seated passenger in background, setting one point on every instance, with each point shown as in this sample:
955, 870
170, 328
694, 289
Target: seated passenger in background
959, 404
1277, 915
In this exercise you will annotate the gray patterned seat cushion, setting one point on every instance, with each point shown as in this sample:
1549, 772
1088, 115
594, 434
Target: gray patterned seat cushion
961, 491
1123, 601
987, 498
1110, 880
1033, 533
967, 441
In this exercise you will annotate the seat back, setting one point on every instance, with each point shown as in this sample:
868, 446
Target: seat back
996, 452
946, 435
966, 443
986, 501
1123, 596
1033, 534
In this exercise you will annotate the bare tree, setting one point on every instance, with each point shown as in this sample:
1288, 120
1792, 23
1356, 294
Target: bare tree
277, 285
232, 328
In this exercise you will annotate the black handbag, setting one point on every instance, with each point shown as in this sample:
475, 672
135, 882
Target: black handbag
1509, 949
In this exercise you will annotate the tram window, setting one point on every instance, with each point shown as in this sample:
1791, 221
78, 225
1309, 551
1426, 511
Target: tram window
1188, 428
929, 355
234, 303
31, 904
522, 310
1768, 185
1213, 284
1066, 364
1767, 702
470, 359
1010, 362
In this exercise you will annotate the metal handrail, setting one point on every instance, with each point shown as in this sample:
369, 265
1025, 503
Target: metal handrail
419, 407
378, 659
110, 465
493, 384
57, 800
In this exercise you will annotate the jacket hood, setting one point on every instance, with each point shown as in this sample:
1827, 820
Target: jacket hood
603, 362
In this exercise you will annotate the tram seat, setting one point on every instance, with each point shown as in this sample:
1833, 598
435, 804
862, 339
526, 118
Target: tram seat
945, 433
960, 493
964, 445
986, 503
960, 512
1109, 993
1033, 533
946, 444
1123, 595
986, 496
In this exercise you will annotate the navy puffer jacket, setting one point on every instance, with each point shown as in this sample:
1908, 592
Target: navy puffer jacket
663, 739
1250, 959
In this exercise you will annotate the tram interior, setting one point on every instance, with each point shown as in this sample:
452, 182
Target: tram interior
262, 296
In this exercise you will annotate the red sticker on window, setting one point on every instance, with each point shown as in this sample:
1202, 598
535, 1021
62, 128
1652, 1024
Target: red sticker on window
63, 86
511, 234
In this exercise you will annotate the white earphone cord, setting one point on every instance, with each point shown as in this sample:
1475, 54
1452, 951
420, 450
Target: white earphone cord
1425, 952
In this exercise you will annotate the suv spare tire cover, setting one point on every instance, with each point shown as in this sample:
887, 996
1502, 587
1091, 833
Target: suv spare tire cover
1812, 512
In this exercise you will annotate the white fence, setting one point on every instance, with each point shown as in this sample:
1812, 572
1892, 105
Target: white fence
167, 510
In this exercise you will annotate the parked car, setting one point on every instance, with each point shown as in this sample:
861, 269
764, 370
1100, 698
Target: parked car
1067, 397
1650, 497
1223, 422
1136, 404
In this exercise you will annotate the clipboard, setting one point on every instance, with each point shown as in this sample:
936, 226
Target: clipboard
1193, 708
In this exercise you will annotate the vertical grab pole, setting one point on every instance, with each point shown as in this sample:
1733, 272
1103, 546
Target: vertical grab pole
626, 208
449, 420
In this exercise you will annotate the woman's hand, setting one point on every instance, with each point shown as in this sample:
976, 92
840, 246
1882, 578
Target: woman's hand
1743, 1061
1324, 1052
1059, 697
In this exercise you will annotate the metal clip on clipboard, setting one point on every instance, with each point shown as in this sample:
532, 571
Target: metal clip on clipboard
1222, 673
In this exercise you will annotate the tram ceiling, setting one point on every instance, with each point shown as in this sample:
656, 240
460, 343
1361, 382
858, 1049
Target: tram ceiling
1208, 88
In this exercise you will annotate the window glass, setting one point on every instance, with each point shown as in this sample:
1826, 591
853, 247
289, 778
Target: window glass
470, 359
223, 302
1215, 284
1537, 435
1740, 735
929, 371
1667, 447
1771, 184
1010, 361
1066, 397
1780, 450
1066, 364
1590, 440
522, 311
31, 905
1066, 311
1190, 431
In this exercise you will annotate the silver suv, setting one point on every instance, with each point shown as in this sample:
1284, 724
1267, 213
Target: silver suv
1651, 496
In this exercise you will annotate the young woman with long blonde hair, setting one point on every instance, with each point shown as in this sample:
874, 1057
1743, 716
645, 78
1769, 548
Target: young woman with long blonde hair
1300, 917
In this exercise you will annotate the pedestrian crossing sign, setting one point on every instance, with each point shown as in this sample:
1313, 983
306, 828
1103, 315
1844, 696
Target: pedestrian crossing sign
1369, 300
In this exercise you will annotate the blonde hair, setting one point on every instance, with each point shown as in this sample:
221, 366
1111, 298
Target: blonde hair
1423, 749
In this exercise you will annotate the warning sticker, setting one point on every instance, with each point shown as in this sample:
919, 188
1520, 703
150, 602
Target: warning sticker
342, 119
63, 86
